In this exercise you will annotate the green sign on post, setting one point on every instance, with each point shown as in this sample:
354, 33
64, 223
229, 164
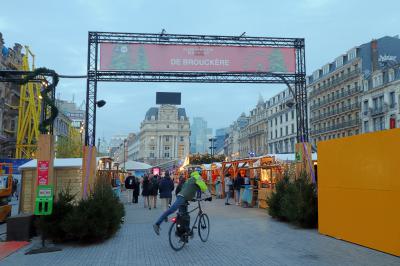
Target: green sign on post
44, 200
298, 156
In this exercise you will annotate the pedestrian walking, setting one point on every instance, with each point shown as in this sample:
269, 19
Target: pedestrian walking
237, 185
136, 190
166, 187
246, 196
130, 186
146, 192
228, 188
218, 188
154, 191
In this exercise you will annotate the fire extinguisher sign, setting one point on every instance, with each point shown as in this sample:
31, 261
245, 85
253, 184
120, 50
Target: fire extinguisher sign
43, 173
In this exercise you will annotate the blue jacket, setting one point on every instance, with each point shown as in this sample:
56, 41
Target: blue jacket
166, 187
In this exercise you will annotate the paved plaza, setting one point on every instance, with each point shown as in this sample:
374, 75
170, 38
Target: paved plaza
238, 236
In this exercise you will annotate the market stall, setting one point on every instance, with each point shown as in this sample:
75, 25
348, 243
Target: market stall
67, 174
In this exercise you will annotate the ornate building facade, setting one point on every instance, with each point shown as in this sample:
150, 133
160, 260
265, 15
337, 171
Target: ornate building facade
10, 59
335, 90
164, 135
380, 100
281, 136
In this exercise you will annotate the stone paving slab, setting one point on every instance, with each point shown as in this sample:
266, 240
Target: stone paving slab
238, 236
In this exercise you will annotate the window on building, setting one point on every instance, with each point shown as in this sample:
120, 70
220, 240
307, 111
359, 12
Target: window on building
379, 123
292, 128
167, 126
166, 148
366, 126
271, 135
182, 138
352, 54
287, 130
325, 69
167, 138
392, 99
280, 118
276, 121
151, 154
281, 132
391, 75
287, 117
276, 133
166, 155
339, 61
292, 114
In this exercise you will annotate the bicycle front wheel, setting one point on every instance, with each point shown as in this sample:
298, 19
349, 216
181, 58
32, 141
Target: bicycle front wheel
175, 241
204, 227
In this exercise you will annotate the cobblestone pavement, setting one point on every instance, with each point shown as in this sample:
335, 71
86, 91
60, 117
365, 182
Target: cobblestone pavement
238, 237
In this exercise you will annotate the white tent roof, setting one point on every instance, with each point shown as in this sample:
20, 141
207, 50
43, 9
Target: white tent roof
58, 163
290, 156
133, 165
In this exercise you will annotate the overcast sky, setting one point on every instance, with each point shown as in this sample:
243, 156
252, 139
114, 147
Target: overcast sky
57, 31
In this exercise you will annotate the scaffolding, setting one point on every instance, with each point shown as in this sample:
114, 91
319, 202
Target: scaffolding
28, 113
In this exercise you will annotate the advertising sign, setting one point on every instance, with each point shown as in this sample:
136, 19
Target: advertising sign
201, 58
43, 172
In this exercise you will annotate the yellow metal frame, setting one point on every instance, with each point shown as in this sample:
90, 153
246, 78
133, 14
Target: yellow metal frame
29, 113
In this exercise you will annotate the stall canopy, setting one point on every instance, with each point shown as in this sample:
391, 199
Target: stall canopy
290, 156
134, 166
58, 163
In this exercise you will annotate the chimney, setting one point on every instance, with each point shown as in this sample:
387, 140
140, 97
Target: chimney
374, 55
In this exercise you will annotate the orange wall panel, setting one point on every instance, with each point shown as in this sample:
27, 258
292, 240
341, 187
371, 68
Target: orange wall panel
359, 189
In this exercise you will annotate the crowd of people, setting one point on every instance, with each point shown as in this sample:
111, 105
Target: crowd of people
153, 186
150, 187
238, 188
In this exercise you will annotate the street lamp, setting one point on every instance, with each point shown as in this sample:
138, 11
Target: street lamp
125, 141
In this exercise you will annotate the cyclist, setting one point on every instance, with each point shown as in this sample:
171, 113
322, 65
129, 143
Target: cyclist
188, 192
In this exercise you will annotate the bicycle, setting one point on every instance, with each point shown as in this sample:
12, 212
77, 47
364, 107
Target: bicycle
178, 236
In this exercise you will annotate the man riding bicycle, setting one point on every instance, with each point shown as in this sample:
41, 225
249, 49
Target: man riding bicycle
188, 192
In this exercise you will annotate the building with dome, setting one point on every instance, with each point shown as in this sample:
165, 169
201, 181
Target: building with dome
164, 136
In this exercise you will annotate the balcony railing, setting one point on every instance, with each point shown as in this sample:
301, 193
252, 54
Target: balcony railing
340, 126
335, 82
336, 97
334, 112
379, 110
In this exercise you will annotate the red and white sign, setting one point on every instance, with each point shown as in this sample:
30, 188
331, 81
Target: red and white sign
43, 173
201, 58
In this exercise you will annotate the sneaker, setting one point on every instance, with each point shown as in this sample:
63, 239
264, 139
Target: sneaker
227, 203
156, 228
149, 208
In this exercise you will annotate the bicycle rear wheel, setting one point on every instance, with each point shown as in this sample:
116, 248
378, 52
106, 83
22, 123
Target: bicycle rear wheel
204, 227
175, 241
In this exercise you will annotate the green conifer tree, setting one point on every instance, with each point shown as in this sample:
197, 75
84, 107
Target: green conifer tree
141, 59
121, 58
276, 61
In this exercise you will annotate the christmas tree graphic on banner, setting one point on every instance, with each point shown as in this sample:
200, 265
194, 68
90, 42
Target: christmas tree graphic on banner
121, 58
141, 59
277, 61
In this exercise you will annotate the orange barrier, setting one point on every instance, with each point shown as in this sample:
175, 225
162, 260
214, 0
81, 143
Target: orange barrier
359, 189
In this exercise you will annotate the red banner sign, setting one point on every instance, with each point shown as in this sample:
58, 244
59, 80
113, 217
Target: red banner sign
43, 172
202, 58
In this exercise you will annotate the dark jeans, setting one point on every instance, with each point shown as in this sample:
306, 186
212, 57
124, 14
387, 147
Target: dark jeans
180, 203
135, 198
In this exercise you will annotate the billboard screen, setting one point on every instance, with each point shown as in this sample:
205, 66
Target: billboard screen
168, 98
197, 58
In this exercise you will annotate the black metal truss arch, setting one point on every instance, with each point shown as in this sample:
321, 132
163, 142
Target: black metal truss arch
94, 75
